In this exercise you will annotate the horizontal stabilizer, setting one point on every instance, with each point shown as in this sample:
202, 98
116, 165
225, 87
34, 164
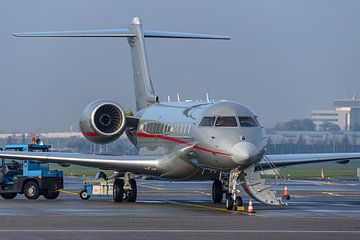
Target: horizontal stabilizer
82, 33
121, 33
162, 34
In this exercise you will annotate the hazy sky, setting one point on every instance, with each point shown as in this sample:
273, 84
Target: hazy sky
285, 57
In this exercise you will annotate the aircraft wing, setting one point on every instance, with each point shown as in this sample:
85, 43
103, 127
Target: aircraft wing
143, 164
284, 160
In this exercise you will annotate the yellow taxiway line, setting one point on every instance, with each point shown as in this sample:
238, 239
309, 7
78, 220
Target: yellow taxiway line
212, 208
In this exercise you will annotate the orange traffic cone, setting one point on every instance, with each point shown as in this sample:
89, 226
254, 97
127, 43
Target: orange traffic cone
286, 193
322, 175
250, 207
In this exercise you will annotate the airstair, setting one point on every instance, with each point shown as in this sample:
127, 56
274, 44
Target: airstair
257, 188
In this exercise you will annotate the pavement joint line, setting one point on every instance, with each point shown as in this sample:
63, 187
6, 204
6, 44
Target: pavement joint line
203, 193
181, 231
151, 187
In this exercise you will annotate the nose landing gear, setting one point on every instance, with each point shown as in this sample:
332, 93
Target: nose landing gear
233, 201
230, 187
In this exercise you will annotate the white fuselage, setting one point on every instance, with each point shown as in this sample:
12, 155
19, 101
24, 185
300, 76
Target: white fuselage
190, 146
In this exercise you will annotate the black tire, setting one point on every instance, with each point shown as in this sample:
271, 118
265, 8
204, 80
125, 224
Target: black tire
131, 195
84, 195
118, 193
217, 191
51, 194
238, 203
31, 190
8, 195
229, 203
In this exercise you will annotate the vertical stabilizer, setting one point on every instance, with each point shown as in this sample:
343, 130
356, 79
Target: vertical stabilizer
144, 90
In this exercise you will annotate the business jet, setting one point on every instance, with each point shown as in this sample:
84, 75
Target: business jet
222, 141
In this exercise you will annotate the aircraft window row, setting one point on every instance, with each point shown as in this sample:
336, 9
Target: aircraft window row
156, 128
229, 121
164, 128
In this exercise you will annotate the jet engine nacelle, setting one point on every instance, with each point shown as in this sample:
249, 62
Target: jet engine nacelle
102, 121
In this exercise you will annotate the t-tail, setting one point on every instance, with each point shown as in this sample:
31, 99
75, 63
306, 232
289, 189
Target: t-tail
144, 90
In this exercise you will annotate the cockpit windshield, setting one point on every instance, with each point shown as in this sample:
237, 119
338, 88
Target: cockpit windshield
229, 121
226, 122
248, 122
207, 122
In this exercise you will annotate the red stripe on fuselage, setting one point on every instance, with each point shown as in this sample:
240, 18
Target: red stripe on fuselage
90, 134
171, 139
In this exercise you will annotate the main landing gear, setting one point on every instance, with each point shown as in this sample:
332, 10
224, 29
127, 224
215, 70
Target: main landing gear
125, 189
217, 191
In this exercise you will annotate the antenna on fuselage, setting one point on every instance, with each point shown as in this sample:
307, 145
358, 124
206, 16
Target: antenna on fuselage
207, 97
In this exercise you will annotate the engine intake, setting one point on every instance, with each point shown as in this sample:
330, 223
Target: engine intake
102, 121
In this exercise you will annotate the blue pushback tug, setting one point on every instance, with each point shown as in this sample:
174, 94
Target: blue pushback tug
29, 177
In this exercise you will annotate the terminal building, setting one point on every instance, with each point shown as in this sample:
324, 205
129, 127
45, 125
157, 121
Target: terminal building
346, 115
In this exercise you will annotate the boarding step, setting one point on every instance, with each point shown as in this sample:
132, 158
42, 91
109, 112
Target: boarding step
256, 187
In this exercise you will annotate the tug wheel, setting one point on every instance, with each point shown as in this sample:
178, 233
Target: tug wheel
50, 194
31, 190
8, 195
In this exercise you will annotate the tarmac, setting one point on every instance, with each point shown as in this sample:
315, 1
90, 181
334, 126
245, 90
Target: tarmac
178, 210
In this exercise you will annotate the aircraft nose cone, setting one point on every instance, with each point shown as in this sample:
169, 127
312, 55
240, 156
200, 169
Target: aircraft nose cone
242, 152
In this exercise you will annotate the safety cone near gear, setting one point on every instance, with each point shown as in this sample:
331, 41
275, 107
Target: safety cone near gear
286, 194
250, 207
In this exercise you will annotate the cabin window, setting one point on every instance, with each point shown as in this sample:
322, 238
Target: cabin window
248, 122
157, 128
207, 122
188, 128
226, 122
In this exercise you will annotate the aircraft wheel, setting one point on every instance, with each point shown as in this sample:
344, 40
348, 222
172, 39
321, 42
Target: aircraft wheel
131, 195
8, 195
51, 194
118, 193
238, 203
31, 190
217, 191
229, 203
